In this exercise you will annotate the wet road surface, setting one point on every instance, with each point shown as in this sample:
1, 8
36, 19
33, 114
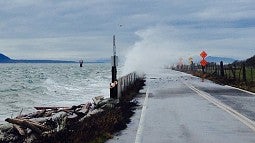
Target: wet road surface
175, 112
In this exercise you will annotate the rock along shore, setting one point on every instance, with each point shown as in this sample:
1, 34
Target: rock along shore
90, 122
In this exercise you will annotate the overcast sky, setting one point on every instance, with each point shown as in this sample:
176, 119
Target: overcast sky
74, 29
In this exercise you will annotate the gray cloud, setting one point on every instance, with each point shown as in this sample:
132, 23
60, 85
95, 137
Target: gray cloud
47, 29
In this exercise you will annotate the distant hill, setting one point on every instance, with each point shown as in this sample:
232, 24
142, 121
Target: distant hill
213, 59
219, 59
99, 61
251, 61
5, 59
41, 61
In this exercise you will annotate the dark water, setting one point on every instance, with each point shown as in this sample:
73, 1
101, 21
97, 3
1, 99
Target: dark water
24, 86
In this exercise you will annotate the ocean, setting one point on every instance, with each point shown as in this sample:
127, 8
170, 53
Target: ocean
24, 86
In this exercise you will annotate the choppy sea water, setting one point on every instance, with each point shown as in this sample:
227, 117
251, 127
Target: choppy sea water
23, 86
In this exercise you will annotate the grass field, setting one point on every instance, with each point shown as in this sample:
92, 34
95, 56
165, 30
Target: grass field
232, 77
237, 74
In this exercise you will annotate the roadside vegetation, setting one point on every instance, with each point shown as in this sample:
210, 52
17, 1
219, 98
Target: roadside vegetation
240, 74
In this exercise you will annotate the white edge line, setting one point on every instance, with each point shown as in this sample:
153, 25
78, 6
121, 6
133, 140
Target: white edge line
249, 123
138, 138
240, 89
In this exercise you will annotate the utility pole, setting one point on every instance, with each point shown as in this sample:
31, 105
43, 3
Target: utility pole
113, 85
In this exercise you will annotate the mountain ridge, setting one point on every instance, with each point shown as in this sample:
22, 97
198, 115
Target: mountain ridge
215, 59
219, 59
6, 59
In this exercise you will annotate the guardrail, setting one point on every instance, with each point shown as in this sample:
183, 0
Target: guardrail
127, 82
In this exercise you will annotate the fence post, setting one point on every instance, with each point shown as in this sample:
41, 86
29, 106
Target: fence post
191, 66
216, 69
119, 88
234, 71
251, 74
203, 69
244, 73
221, 69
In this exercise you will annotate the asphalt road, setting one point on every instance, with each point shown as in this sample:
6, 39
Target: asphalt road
179, 108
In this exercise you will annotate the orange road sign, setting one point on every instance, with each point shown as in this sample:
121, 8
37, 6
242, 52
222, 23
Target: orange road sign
203, 62
203, 54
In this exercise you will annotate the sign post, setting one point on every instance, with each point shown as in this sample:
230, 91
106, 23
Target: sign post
113, 84
203, 62
191, 63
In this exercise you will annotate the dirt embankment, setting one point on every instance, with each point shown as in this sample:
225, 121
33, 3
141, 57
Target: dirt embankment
250, 86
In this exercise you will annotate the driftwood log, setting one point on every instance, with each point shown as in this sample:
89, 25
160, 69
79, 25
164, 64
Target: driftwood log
51, 108
75, 124
36, 127
39, 126
19, 129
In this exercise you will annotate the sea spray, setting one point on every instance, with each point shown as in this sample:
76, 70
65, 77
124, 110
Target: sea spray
158, 46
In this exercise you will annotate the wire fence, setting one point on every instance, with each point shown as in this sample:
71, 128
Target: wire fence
236, 72
127, 82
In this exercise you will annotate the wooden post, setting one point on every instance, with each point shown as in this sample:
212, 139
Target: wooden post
251, 74
114, 88
225, 72
113, 85
192, 66
81, 62
244, 72
221, 69
203, 69
215, 69
240, 73
119, 88
234, 71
